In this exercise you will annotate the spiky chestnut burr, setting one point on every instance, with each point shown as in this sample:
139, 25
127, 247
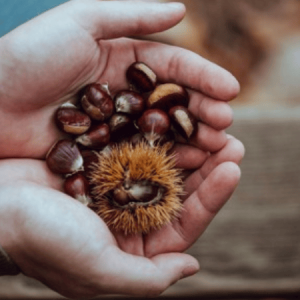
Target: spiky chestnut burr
136, 189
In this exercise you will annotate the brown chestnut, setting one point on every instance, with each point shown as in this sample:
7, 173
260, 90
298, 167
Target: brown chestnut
122, 127
168, 95
64, 158
77, 186
154, 123
129, 102
120, 196
97, 137
119, 121
140, 77
71, 120
141, 192
144, 191
97, 102
183, 121
89, 158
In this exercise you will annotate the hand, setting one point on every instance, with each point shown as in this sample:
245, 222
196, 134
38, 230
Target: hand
46, 61
63, 244
49, 59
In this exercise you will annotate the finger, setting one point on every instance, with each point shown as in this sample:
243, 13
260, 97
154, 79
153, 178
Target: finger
217, 114
140, 276
204, 203
106, 20
199, 210
188, 69
188, 157
208, 138
233, 152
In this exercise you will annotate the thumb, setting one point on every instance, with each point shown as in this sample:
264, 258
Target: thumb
140, 276
112, 19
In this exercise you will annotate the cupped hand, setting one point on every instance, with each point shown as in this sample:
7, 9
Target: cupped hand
45, 63
60, 242
65, 245
47, 60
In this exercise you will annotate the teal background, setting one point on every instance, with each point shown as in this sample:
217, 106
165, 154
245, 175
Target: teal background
16, 12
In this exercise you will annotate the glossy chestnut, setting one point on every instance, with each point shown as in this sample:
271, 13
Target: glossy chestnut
141, 77
64, 158
183, 121
97, 102
168, 95
70, 119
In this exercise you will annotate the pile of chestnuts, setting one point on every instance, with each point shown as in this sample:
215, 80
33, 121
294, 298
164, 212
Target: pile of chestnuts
147, 114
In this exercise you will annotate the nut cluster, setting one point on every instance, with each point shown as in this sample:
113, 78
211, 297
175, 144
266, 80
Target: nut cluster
147, 115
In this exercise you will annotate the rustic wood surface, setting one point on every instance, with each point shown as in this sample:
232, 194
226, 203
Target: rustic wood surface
253, 245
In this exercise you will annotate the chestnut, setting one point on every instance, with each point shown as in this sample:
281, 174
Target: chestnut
97, 102
77, 186
141, 77
97, 137
70, 119
145, 191
118, 121
129, 102
64, 158
121, 127
168, 95
141, 192
154, 123
89, 158
183, 121
120, 196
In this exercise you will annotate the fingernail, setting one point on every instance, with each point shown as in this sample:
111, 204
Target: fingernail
189, 271
176, 5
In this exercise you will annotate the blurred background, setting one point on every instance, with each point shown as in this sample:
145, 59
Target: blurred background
252, 248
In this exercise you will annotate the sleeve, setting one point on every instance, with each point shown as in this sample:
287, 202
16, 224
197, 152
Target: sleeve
7, 266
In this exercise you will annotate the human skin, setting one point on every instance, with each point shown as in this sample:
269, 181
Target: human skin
50, 236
